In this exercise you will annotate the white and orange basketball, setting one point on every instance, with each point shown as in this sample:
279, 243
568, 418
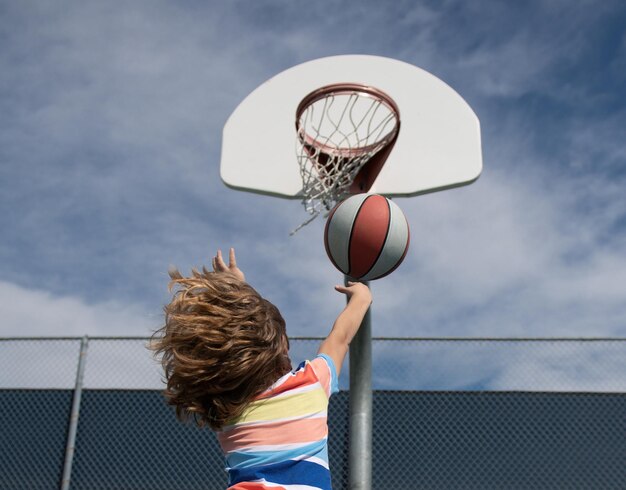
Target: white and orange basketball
366, 236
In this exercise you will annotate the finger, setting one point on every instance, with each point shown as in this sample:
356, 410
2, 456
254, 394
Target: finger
232, 261
214, 264
220, 261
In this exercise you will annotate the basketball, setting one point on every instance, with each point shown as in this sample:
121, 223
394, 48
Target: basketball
366, 236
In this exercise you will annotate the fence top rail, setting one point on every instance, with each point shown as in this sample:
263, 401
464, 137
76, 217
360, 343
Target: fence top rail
385, 339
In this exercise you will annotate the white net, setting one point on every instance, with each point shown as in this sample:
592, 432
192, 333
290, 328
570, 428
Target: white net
338, 133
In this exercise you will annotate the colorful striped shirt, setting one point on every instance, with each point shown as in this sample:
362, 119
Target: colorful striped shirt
280, 441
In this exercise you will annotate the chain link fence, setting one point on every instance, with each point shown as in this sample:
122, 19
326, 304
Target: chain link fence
448, 414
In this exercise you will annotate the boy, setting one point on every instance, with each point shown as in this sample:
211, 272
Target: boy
226, 359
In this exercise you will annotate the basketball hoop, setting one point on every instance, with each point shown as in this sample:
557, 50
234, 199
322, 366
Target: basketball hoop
345, 133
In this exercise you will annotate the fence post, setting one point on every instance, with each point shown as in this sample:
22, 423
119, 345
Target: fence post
360, 456
71, 433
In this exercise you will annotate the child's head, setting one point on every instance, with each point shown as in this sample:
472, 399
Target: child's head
222, 344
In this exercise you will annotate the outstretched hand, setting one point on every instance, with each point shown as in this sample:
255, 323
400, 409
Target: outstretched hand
220, 266
357, 291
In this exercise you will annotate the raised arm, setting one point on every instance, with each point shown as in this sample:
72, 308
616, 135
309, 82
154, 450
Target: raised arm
347, 323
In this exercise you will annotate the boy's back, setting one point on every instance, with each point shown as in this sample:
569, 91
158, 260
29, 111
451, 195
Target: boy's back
281, 438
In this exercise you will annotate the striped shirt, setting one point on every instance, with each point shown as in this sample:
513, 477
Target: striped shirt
280, 441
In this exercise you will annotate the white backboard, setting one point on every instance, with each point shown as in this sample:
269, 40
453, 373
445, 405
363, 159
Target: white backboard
438, 146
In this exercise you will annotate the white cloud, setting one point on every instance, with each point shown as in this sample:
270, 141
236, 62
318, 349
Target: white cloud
28, 312
595, 366
509, 257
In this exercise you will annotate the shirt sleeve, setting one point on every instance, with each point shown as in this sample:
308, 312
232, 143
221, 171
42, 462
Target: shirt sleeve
326, 372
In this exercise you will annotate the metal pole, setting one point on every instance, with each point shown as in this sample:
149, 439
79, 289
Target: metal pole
360, 456
71, 434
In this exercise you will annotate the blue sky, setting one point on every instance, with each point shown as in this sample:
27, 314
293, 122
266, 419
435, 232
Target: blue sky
110, 134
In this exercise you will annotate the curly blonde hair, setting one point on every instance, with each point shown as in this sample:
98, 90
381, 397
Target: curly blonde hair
222, 344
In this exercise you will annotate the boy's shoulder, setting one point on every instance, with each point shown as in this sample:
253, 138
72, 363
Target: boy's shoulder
320, 370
